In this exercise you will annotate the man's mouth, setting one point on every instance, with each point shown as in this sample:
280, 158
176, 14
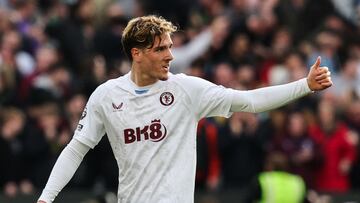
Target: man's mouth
166, 68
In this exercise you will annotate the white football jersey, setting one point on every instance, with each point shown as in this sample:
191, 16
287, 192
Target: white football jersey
153, 134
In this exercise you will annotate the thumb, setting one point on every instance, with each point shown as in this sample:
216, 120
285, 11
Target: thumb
317, 63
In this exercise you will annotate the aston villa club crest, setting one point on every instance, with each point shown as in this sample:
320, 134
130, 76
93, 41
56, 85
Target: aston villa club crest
166, 98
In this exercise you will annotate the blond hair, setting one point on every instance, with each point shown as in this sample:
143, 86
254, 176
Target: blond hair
141, 32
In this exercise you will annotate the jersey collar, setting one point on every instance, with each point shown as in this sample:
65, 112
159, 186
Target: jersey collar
131, 87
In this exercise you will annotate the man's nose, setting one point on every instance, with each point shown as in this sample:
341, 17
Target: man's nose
169, 55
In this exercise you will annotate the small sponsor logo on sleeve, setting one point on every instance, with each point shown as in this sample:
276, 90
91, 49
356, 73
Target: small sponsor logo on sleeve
84, 113
79, 127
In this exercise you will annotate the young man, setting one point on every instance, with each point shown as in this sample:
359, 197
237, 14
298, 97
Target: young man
150, 117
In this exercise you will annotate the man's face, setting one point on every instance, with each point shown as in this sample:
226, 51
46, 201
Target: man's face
155, 61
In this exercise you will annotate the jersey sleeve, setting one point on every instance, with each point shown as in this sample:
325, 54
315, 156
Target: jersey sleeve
207, 99
91, 127
267, 98
64, 169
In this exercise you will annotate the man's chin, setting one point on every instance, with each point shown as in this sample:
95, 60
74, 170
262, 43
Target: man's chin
164, 77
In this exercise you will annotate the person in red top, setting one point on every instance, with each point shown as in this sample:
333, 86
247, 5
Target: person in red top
208, 161
337, 149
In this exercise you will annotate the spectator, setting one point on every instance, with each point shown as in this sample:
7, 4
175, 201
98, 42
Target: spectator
74, 108
76, 28
56, 80
276, 184
224, 74
14, 178
107, 39
337, 150
46, 57
348, 83
239, 50
352, 118
47, 134
214, 35
208, 160
300, 149
328, 43
241, 152
272, 130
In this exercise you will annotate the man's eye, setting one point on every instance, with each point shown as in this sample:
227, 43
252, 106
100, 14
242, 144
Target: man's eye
160, 49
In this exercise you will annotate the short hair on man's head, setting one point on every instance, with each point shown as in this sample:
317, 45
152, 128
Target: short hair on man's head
141, 32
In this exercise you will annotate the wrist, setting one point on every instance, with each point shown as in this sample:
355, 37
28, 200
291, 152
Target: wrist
308, 85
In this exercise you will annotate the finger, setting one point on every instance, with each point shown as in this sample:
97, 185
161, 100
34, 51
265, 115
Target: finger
317, 63
324, 80
321, 77
327, 84
323, 69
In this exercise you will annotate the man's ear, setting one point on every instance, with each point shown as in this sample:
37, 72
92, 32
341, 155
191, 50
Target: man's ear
135, 53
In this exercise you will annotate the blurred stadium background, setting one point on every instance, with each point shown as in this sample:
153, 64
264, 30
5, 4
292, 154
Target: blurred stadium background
54, 53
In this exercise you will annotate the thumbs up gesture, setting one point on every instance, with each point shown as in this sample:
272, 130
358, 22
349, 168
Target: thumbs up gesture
319, 77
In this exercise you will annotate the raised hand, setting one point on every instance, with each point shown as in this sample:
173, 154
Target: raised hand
319, 76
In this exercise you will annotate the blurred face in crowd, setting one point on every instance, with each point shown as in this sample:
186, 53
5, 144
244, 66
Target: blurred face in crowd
74, 108
296, 66
241, 45
86, 10
296, 125
335, 23
224, 75
281, 42
353, 113
76, 105
61, 76
246, 75
45, 57
11, 41
328, 42
278, 118
13, 124
28, 8
179, 39
351, 67
326, 112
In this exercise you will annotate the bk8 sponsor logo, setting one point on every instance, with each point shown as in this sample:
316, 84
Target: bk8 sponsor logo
154, 132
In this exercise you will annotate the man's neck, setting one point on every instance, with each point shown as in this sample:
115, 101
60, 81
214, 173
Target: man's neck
140, 79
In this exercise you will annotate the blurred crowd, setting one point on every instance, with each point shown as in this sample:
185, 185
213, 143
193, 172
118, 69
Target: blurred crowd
54, 53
